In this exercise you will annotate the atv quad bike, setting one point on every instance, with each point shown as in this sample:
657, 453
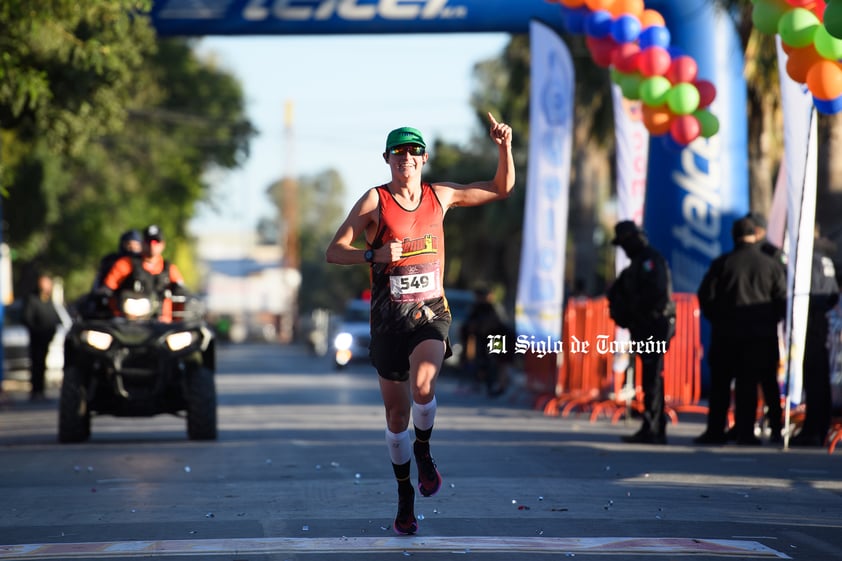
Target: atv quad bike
137, 366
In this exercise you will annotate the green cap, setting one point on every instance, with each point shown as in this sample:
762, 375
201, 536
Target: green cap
404, 135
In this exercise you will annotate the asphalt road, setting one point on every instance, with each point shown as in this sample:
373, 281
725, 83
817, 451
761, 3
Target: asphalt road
300, 472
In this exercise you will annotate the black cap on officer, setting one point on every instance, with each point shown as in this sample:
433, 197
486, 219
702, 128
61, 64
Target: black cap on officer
742, 228
626, 230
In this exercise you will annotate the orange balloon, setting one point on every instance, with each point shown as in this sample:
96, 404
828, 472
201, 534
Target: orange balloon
650, 18
630, 7
595, 5
573, 3
824, 79
800, 60
657, 119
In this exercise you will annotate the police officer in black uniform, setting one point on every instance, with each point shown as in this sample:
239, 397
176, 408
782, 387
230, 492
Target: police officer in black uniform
641, 301
743, 295
766, 246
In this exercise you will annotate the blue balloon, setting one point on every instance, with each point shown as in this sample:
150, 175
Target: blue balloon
625, 29
675, 51
828, 106
655, 36
598, 24
574, 19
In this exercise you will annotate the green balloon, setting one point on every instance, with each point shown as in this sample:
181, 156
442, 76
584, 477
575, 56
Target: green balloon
683, 99
653, 91
827, 45
630, 85
765, 15
833, 18
797, 27
708, 122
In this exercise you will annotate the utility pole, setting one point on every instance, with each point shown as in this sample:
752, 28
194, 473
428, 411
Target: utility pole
289, 186
289, 222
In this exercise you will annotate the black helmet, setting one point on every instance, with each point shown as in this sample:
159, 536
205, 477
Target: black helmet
129, 236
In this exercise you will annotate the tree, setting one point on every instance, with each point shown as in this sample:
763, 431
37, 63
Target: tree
766, 129
67, 67
104, 129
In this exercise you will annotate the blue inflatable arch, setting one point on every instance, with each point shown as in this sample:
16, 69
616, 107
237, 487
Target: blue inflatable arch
695, 193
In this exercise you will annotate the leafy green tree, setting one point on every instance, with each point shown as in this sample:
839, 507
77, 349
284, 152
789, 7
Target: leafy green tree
105, 129
67, 67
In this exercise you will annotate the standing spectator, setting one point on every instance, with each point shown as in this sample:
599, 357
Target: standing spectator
824, 294
641, 301
42, 320
402, 224
486, 364
743, 295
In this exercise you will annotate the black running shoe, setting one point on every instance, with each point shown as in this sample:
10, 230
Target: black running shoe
405, 522
429, 478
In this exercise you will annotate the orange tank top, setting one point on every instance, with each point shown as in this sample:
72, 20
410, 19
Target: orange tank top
399, 287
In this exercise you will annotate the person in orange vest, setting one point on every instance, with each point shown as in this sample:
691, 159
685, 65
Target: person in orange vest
148, 273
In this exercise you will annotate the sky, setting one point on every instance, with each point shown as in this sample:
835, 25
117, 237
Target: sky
347, 92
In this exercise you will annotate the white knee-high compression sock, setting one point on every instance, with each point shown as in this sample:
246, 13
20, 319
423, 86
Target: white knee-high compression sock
400, 450
424, 415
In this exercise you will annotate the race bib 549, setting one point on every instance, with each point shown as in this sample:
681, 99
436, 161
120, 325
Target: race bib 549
413, 283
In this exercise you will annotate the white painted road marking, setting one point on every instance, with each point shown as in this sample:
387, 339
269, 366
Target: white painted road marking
240, 546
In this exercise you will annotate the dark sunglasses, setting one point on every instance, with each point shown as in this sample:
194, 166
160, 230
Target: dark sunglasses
411, 149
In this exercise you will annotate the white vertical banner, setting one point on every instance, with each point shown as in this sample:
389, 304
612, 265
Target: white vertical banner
801, 165
540, 293
632, 144
776, 228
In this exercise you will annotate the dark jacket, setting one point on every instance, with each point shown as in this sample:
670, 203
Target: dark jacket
743, 293
40, 318
641, 297
824, 292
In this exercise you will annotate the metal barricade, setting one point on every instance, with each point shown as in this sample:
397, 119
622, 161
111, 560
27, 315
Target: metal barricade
587, 382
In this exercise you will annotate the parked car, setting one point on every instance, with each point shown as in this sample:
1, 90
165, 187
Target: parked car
16, 345
15, 342
460, 302
353, 335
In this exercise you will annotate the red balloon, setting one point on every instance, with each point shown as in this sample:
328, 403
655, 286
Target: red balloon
818, 8
707, 92
683, 69
602, 49
625, 57
654, 61
684, 129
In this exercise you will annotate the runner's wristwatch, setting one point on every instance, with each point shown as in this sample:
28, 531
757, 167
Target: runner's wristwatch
369, 255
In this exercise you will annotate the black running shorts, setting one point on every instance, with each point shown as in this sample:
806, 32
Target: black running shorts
389, 352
